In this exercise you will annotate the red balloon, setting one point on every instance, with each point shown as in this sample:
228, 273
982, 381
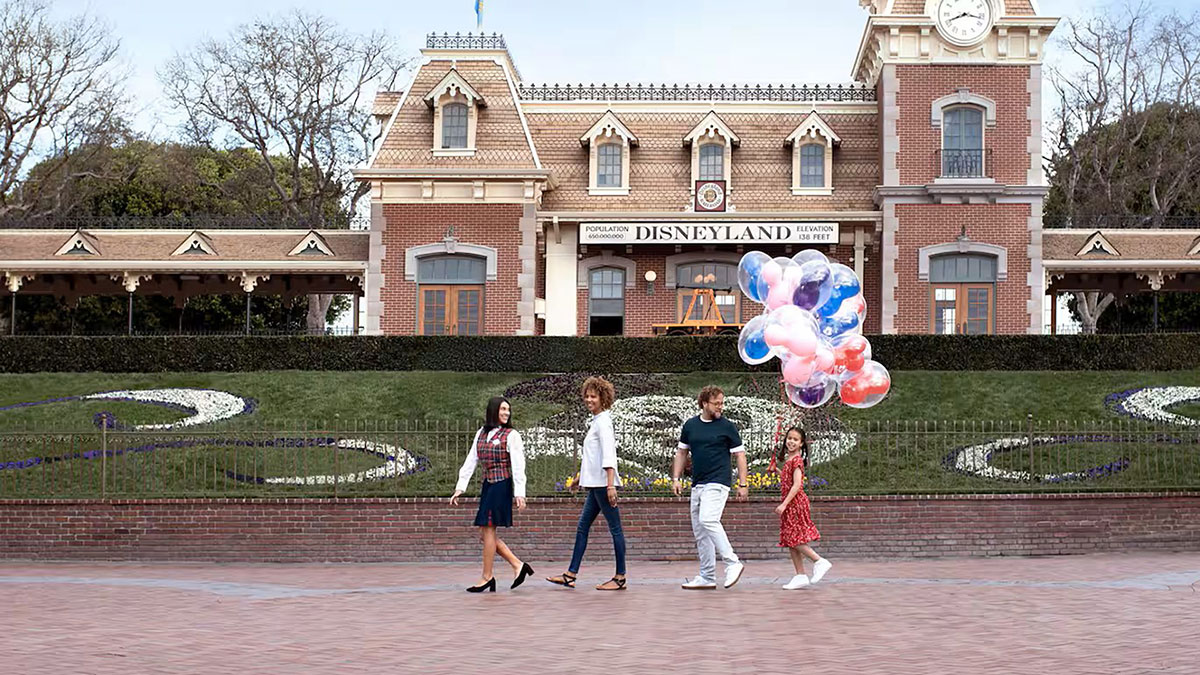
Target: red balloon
852, 393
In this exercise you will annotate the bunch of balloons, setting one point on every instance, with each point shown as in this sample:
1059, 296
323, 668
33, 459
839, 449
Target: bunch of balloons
813, 323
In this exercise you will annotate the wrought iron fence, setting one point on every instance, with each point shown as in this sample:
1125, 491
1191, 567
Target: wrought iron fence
698, 92
422, 458
1100, 221
468, 41
14, 221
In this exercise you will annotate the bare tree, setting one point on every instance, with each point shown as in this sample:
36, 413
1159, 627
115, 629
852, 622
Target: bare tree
297, 87
1127, 128
60, 94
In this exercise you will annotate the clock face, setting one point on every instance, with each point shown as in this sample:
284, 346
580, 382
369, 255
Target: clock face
964, 22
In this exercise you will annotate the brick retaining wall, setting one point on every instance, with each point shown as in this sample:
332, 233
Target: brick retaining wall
403, 530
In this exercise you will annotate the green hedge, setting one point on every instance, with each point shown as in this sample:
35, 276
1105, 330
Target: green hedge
575, 354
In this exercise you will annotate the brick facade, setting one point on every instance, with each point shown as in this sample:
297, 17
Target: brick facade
493, 225
412, 530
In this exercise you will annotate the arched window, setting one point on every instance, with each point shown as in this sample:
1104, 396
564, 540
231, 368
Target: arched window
712, 161
450, 293
454, 126
962, 142
812, 165
721, 277
608, 165
963, 291
606, 301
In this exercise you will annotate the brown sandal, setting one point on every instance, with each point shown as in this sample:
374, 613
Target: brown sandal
565, 579
619, 581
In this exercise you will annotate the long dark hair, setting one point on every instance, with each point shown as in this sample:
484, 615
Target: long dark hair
781, 453
491, 419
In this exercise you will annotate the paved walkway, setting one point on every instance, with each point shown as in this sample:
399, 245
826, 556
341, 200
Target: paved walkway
1083, 614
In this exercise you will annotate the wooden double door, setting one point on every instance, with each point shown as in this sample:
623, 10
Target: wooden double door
962, 308
451, 309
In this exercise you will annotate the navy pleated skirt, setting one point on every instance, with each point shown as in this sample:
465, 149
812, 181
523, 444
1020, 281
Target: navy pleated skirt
496, 504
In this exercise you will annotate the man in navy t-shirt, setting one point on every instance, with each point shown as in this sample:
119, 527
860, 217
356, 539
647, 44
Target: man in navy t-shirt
712, 440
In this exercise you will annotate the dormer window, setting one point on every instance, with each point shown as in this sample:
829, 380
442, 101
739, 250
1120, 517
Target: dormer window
712, 143
812, 157
454, 125
456, 107
609, 143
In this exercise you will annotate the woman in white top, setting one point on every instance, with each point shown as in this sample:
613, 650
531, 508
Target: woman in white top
598, 475
498, 447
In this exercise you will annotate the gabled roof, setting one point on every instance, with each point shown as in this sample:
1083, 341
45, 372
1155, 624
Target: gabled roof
608, 125
1097, 244
454, 84
710, 126
79, 243
312, 244
811, 127
196, 243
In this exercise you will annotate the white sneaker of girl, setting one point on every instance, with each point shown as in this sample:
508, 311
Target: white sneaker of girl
819, 569
799, 581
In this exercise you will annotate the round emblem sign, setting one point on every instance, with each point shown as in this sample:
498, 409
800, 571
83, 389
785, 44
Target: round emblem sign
710, 196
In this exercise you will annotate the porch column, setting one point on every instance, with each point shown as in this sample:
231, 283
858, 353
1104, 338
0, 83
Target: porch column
562, 266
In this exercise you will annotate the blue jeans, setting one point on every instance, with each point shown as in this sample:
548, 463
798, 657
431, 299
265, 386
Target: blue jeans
595, 503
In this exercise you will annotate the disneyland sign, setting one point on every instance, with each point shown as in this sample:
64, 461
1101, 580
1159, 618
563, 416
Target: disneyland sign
709, 233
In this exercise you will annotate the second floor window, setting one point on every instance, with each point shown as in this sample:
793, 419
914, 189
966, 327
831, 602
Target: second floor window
608, 165
812, 165
712, 162
962, 142
454, 126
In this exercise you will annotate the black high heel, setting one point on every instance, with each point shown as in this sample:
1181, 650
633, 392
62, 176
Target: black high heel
526, 570
490, 585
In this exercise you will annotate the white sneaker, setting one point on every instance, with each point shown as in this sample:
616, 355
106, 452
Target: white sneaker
699, 584
733, 573
798, 581
819, 569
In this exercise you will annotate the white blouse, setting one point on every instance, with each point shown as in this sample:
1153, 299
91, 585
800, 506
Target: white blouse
516, 452
599, 453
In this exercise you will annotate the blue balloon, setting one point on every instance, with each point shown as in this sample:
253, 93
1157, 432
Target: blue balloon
844, 285
752, 341
839, 323
749, 275
756, 346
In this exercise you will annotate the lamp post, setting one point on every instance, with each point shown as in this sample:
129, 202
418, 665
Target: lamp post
650, 276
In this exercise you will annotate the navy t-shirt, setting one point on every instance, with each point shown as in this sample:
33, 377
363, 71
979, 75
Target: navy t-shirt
710, 444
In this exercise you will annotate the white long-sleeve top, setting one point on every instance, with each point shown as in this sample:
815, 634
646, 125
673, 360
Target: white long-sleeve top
516, 453
599, 453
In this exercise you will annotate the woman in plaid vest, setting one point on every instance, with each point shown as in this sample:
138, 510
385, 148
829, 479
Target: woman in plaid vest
499, 449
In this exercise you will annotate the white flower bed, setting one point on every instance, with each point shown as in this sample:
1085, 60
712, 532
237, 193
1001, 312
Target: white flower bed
403, 463
647, 430
205, 405
1151, 404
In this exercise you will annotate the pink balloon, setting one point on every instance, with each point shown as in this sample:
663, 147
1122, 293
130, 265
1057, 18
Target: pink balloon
797, 370
775, 335
802, 343
771, 273
824, 359
778, 296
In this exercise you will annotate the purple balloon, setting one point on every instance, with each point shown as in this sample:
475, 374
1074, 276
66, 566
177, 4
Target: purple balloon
812, 395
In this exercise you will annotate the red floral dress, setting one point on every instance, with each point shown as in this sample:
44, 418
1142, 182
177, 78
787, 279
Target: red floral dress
795, 524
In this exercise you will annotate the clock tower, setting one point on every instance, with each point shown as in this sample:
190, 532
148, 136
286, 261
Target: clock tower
959, 84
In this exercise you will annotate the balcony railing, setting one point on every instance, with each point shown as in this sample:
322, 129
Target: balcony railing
965, 163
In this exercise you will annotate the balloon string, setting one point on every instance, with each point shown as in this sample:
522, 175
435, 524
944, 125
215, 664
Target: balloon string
778, 423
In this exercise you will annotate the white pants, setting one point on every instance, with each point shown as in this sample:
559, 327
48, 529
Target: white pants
708, 503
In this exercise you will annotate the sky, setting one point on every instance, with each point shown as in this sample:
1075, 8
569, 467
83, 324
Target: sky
648, 41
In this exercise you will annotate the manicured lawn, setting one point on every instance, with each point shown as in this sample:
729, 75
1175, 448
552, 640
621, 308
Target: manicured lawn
900, 445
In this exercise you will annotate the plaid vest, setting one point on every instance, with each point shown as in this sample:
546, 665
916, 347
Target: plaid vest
493, 455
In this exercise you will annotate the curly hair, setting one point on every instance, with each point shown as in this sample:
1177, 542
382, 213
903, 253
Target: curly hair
603, 388
708, 393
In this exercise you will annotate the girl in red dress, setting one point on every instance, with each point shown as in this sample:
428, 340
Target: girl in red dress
796, 528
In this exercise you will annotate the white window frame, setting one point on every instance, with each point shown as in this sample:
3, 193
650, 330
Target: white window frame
454, 89
712, 130
608, 129
812, 131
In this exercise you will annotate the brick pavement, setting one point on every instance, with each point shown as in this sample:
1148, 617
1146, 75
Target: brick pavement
1115, 613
